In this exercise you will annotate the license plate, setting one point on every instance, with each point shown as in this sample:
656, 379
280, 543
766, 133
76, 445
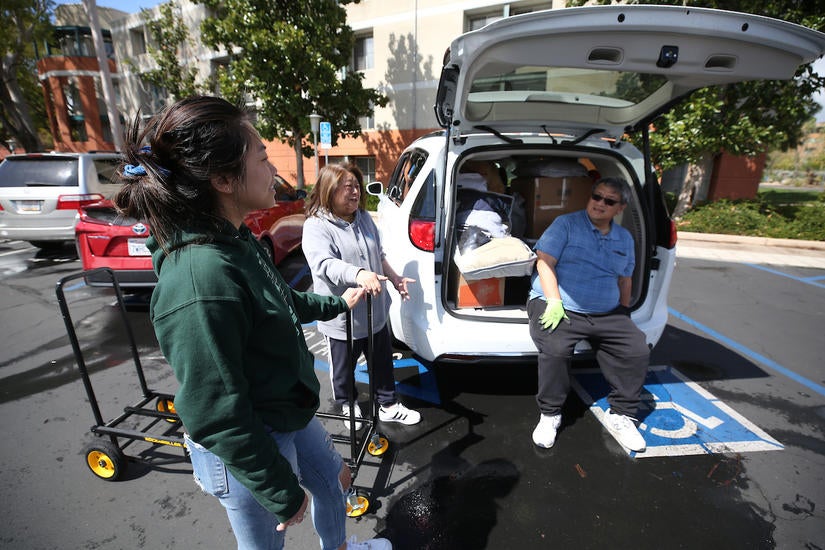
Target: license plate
29, 206
137, 247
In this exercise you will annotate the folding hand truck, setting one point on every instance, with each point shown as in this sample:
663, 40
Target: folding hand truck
105, 457
371, 442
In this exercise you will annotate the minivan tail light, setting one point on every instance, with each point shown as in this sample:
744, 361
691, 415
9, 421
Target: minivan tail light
422, 234
673, 235
73, 202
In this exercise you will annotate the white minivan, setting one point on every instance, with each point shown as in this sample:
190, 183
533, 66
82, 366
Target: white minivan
534, 108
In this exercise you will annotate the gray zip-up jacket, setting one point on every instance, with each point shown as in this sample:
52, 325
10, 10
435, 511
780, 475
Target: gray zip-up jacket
336, 251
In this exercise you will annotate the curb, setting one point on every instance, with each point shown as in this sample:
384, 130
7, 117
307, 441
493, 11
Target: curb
688, 236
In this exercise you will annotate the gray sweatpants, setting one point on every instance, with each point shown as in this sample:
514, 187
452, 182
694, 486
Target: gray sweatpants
621, 351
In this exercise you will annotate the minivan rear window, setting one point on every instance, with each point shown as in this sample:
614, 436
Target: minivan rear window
39, 172
108, 181
554, 84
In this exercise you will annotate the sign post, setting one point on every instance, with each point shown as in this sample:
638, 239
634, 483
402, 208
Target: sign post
314, 120
326, 139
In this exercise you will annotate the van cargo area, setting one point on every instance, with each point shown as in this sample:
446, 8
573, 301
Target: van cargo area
537, 187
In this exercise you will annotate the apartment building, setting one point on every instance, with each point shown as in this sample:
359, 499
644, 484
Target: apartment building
399, 48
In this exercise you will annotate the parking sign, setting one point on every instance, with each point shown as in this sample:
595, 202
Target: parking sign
326, 135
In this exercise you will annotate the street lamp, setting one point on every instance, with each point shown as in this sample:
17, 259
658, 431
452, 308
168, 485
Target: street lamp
315, 124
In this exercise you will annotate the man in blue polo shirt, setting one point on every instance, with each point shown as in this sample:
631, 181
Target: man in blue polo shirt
581, 289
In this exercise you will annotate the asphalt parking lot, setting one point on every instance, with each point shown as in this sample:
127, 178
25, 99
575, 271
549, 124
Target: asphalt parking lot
736, 380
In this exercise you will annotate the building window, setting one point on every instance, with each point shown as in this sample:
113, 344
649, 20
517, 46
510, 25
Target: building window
363, 55
476, 20
138, 40
365, 164
105, 126
74, 111
153, 99
368, 122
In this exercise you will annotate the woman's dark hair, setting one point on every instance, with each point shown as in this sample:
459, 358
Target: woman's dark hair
169, 166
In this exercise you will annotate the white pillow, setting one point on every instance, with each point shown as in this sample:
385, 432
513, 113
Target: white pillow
501, 257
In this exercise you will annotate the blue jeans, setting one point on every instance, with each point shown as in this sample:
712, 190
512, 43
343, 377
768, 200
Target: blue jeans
317, 465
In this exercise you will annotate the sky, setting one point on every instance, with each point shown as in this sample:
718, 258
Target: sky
129, 6
133, 6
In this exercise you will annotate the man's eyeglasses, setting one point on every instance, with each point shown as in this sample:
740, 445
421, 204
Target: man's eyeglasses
598, 198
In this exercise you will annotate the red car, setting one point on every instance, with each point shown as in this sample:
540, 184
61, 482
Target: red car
105, 239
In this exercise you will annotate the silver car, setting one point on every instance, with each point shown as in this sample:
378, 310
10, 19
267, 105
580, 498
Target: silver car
41, 192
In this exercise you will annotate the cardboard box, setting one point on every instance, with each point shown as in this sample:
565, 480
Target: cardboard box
480, 293
547, 198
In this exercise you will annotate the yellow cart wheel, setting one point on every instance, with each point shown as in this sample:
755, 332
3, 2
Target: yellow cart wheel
378, 445
357, 504
167, 406
105, 460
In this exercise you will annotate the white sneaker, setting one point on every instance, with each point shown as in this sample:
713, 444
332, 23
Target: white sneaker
369, 544
624, 430
345, 412
545, 433
399, 413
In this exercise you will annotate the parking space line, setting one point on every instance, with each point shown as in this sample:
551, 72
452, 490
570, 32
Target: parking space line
678, 417
298, 276
806, 280
771, 364
18, 251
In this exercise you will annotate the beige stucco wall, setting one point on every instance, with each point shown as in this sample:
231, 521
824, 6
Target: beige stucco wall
410, 39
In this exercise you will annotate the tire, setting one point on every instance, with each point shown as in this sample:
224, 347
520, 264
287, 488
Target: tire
105, 460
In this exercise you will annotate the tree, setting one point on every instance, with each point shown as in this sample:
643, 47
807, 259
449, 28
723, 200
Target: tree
745, 119
22, 109
169, 39
290, 58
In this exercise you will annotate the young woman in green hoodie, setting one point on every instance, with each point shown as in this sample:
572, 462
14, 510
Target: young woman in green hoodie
230, 326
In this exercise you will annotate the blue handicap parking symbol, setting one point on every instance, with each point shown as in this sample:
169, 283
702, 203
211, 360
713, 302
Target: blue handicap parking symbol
425, 390
677, 416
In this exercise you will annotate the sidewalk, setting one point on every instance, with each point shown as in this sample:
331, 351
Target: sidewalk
757, 250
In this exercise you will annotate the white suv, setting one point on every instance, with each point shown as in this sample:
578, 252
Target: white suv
542, 101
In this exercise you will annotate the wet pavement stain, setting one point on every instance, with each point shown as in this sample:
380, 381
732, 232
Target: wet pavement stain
452, 511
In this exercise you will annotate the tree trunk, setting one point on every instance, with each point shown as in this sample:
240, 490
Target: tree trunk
299, 159
18, 120
696, 184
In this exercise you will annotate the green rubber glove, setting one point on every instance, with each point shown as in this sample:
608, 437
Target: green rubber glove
553, 314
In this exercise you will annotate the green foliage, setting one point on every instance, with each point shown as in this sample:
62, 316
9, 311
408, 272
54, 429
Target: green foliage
746, 118
290, 58
23, 23
169, 38
372, 203
775, 214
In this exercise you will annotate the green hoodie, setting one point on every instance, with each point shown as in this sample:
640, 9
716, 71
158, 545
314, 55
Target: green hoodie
230, 327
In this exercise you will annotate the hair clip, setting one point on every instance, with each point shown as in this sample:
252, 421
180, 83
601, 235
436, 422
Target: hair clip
134, 171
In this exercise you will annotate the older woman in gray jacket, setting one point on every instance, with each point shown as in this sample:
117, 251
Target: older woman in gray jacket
343, 249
